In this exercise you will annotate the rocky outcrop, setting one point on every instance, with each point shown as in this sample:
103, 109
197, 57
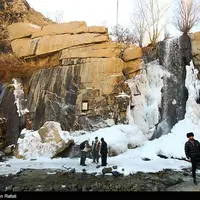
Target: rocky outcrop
14, 11
60, 93
82, 87
56, 37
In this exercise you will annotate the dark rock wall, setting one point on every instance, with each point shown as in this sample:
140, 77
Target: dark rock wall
174, 55
14, 123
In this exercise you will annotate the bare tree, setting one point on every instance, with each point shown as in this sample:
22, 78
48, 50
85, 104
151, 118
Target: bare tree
139, 28
151, 17
123, 35
56, 16
188, 15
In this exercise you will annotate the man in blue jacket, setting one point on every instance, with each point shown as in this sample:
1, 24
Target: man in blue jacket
192, 152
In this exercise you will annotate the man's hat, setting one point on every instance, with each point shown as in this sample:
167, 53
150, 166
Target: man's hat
190, 134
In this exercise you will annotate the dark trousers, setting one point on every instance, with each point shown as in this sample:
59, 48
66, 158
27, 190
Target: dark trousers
194, 167
95, 155
104, 159
83, 158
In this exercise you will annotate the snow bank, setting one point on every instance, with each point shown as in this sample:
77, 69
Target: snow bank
118, 137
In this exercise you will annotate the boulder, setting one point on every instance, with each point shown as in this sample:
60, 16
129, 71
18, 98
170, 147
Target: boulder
48, 141
132, 53
107, 170
21, 30
9, 149
102, 50
132, 68
73, 27
50, 132
48, 44
24, 47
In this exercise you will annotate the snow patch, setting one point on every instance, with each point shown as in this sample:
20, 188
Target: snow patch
19, 97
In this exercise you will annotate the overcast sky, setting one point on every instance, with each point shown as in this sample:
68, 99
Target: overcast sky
94, 12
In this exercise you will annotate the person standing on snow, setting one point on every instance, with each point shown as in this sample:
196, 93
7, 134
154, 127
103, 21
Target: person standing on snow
84, 147
95, 150
104, 152
192, 152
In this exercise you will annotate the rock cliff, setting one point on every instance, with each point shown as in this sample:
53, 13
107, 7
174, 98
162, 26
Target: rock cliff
80, 74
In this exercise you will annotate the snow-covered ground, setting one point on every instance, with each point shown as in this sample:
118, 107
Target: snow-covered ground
128, 162
118, 137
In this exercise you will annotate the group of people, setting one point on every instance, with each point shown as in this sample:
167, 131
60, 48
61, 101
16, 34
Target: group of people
98, 149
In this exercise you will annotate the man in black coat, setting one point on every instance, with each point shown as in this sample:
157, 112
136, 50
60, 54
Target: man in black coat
104, 152
192, 152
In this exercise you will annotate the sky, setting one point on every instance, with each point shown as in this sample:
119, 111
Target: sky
94, 12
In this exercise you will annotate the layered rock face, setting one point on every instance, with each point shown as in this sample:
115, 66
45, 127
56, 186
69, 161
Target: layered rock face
85, 84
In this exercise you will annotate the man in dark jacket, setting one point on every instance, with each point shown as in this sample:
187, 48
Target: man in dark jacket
103, 152
192, 152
